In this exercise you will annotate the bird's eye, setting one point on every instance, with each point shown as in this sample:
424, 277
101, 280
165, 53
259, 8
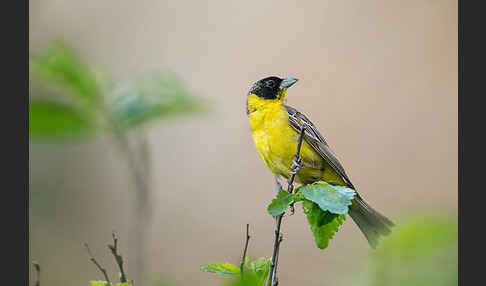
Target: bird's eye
270, 83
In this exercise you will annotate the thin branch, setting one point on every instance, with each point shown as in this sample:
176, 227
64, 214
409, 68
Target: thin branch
98, 265
118, 257
296, 165
37, 271
274, 274
243, 258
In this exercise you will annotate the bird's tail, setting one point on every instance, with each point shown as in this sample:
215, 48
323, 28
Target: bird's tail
371, 223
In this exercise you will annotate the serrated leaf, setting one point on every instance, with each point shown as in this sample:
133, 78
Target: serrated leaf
49, 119
222, 268
323, 223
280, 203
153, 97
333, 198
59, 65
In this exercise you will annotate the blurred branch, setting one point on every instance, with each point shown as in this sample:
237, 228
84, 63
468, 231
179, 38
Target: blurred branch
37, 271
140, 173
245, 249
296, 165
145, 154
103, 270
118, 257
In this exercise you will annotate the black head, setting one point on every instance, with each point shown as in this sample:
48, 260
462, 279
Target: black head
271, 87
267, 88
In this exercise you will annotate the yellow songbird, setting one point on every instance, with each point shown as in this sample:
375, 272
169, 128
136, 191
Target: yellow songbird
276, 126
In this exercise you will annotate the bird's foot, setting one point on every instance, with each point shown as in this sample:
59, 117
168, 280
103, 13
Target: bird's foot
296, 165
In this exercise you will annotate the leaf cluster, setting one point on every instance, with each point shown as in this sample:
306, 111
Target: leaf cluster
73, 100
325, 205
255, 272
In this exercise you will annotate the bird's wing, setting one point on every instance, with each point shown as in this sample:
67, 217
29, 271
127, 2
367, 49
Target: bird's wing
316, 141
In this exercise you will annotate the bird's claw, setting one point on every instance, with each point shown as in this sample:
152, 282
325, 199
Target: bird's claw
296, 165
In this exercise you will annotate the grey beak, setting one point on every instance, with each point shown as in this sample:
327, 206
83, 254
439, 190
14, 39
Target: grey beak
288, 82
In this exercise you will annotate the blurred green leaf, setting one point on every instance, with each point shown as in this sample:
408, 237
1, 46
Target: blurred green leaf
153, 97
323, 223
420, 251
222, 268
49, 119
260, 268
59, 65
280, 203
333, 198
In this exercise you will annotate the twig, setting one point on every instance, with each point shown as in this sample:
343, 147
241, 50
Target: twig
296, 165
98, 265
118, 257
243, 258
37, 271
274, 274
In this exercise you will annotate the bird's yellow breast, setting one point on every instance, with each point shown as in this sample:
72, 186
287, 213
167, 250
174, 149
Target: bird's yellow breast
276, 142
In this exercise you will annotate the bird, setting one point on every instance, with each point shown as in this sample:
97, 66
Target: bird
275, 128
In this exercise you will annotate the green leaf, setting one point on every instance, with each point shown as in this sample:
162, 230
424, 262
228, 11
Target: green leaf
335, 199
222, 268
153, 97
260, 267
249, 279
323, 223
59, 65
49, 119
280, 203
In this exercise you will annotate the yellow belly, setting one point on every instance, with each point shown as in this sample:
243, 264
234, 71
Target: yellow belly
276, 143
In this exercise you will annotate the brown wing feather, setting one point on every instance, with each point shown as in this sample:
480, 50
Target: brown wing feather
316, 141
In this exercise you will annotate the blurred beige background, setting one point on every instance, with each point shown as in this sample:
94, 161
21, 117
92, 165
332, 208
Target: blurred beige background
379, 79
